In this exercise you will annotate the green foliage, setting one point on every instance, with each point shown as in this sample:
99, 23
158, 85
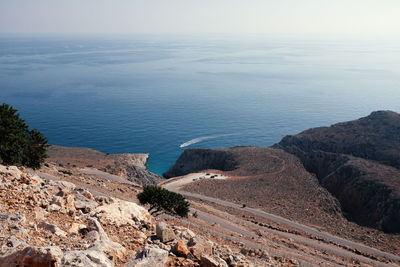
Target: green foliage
18, 144
160, 199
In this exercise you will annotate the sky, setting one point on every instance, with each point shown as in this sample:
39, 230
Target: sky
300, 17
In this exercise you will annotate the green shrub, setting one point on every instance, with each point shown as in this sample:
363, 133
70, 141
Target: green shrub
18, 144
162, 200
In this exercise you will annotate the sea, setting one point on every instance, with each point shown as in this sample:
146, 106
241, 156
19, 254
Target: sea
162, 94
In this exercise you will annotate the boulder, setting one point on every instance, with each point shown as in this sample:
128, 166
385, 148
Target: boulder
59, 201
34, 257
67, 185
84, 204
36, 180
149, 257
186, 234
209, 261
86, 258
70, 203
121, 213
181, 249
200, 246
164, 232
11, 171
103, 243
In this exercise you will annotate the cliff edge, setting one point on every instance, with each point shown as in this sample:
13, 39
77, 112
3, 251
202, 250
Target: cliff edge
358, 162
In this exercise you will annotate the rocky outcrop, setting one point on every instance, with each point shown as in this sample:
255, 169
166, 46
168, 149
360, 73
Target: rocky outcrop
130, 166
375, 137
42, 216
121, 213
193, 160
56, 223
341, 157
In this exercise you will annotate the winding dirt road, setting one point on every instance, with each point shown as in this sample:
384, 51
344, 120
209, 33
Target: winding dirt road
325, 241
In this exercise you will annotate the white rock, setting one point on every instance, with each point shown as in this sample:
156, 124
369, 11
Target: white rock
67, 185
40, 214
37, 180
121, 213
209, 261
12, 171
164, 232
186, 234
103, 243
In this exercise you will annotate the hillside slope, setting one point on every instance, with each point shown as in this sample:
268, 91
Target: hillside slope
267, 178
130, 166
358, 162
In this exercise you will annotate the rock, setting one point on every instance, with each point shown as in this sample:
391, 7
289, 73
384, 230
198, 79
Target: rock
104, 244
67, 185
199, 246
86, 258
75, 227
40, 214
70, 203
52, 228
53, 207
92, 236
181, 249
34, 257
94, 225
84, 204
149, 257
164, 232
140, 236
186, 234
121, 213
37, 180
59, 201
109, 247
11, 171
208, 261
12, 218
12, 244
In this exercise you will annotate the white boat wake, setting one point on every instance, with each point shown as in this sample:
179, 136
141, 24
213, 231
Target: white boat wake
203, 138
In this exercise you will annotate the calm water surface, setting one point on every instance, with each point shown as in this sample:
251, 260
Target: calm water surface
160, 95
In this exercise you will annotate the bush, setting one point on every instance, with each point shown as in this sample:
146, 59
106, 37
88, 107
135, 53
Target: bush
162, 200
18, 144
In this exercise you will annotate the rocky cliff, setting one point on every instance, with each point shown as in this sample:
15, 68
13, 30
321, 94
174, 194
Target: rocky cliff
130, 166
358, 162
375, 137
192, 160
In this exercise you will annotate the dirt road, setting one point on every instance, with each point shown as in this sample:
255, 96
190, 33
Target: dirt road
333, 244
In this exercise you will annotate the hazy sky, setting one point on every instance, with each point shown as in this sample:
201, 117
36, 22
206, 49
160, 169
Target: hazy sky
349, 17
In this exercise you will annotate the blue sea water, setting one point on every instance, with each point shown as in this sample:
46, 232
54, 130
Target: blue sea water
159, 94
